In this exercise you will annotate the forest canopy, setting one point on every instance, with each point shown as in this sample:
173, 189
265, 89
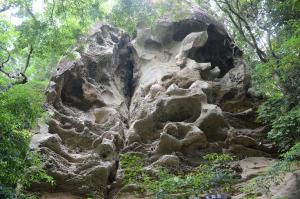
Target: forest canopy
35, 34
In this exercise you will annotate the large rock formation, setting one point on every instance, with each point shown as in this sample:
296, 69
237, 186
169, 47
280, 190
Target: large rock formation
179, 89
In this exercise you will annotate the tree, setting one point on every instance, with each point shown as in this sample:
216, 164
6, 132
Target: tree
28, 52
37, 43
127, 13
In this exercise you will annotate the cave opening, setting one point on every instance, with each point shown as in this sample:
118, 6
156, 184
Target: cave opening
72, 94
220, 50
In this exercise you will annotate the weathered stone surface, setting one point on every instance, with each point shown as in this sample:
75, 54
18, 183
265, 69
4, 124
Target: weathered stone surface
289, 188
254, 166
285, 186
241, 151
167, 161
235, 138
177, 91
88, 106
192, 40
60, 196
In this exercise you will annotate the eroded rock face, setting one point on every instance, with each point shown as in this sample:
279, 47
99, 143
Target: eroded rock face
88, 106
178, 89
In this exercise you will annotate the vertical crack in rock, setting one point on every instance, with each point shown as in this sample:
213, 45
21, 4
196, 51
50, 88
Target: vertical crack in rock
178, 90
129, 89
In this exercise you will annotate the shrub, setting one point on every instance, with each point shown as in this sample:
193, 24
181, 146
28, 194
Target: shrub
20, 107
209, 175
286, 129
285, 123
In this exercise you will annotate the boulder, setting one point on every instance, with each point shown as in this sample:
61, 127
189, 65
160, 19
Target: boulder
167, 161
254, 166
289, 188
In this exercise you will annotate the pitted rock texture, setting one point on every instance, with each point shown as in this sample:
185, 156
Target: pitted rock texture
175, 92
88, 107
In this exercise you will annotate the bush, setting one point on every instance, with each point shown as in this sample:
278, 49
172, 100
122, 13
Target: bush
293, 154
285, 122
20, 107
271, 109
209, 175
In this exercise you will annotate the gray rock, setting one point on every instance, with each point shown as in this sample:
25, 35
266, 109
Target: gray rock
168, 144
289, 188
167, 161
177, 88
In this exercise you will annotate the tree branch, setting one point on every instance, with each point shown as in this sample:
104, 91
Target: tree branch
24, 78
7, 59
237, 25
28, 58
2, 65
5, 8
269, 42
31, 14
261, 54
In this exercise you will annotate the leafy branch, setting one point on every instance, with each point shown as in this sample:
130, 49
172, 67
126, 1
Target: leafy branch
23, 78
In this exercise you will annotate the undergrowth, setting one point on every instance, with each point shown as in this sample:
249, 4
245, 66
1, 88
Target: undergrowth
212, 174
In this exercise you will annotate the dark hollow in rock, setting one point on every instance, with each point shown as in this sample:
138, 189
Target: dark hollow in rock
183, 28
220, 50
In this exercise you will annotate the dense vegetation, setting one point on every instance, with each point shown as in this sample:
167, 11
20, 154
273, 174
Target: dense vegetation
178, 182
20, 107
34, 34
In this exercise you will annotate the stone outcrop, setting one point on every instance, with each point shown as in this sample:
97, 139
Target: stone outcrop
88, 107
179, 89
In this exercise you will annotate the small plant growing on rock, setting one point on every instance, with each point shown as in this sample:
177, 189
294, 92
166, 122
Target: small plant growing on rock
133, 168
211, 175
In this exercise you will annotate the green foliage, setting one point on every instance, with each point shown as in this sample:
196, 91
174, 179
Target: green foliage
20, 106
51, 32
133, 168
293, 154
285, 123
271, 109
286, 129
209, 175
127, 14
172, 9
278, 79
216, 158
263, 81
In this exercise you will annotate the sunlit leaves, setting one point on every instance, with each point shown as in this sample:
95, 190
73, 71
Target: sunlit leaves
127, 14
20, 106
51, 32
